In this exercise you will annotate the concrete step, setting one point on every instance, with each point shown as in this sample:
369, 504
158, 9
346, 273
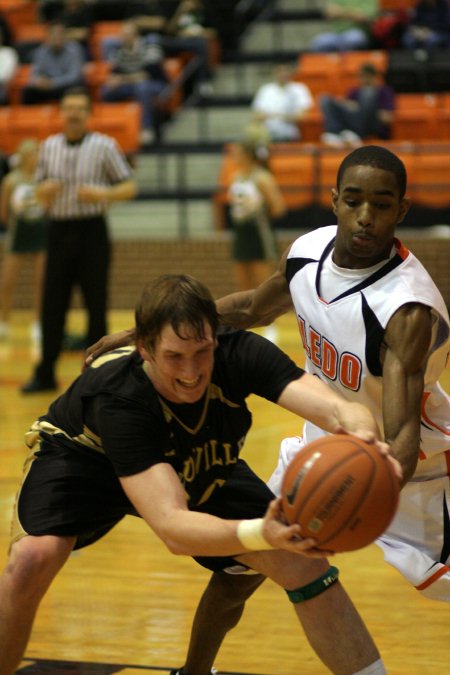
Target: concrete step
178, 170
283, 36
174, 219
235, 79
219, 125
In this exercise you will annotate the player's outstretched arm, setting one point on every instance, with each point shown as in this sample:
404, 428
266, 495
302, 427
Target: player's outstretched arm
407, 342
312, 399
261, 305
159, 497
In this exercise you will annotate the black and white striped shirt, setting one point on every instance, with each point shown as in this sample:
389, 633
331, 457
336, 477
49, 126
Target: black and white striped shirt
96, 160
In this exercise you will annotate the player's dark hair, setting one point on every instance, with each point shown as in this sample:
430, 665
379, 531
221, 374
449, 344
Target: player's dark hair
379, 158
177, 300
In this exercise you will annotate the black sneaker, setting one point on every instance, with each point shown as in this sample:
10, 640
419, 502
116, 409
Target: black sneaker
179, 671
37, 385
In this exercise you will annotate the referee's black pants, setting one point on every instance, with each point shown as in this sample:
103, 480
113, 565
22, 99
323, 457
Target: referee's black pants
78, 254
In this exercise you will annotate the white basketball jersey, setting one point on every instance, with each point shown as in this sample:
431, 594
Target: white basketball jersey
342, 337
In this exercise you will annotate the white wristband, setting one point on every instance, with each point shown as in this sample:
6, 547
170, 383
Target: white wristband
249, 533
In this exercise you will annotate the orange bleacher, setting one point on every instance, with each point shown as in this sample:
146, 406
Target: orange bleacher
119, 120
306, 173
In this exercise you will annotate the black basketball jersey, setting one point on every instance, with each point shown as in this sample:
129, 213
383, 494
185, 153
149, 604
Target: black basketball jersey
113, 408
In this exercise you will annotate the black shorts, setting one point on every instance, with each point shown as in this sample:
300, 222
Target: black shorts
75, 492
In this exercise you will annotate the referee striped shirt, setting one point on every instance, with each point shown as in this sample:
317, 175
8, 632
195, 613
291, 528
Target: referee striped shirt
96, 160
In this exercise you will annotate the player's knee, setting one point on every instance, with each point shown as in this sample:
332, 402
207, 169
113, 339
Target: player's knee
233, 590
314, 588
31, 566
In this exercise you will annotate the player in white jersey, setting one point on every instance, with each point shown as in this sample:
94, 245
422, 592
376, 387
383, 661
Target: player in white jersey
374, 327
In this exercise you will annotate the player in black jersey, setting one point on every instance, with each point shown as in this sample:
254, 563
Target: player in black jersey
157, 432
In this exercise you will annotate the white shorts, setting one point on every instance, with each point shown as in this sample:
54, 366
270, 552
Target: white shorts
414, 543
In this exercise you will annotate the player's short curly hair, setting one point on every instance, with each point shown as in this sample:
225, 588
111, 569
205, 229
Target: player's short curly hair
177, 300
379, 158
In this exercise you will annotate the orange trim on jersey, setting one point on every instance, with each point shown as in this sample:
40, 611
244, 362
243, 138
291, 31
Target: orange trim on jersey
434, 577
447, 459
425, 397
401, 249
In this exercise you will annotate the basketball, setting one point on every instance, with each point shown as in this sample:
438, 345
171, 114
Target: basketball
342, 491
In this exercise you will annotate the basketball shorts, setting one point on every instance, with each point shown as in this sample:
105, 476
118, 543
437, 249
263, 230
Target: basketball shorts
417, 542
75, 492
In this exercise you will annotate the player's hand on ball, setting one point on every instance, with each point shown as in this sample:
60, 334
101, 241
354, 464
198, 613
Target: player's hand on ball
383, 448
279, 534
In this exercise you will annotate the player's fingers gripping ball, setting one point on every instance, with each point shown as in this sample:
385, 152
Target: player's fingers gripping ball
342, 491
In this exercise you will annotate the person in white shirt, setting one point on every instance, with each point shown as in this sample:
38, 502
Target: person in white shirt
8, 64
280, 105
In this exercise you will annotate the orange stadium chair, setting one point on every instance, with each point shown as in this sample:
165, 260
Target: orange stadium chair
20, 79
329, 160
311, 124
320, 72
101, 30
122, 121
95, 75
431, 178
31, 121
416, 117
19, 14
443, 116
294, 173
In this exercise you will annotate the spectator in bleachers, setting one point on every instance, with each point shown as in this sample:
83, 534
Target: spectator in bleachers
57, 66
429, 26
180, 31
187, 32
366, 111
351, 26
9, 60
280, 105
137, 73
78, 18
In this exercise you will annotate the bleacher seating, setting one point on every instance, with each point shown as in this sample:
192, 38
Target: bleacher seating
119, 120
306, 173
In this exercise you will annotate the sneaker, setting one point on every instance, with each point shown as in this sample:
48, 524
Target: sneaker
333, 140
147, 136
37, 385
35, 331
179, 671
4, 330
352, 139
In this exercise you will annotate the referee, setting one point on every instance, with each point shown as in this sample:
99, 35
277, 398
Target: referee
79, 174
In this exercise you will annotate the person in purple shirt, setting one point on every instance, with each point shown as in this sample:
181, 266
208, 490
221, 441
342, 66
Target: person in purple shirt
366, 111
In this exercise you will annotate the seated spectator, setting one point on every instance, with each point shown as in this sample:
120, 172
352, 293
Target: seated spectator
366, 110
351, 26
77, 17
280, 105
137, 73
180, 31
57, 66
187, 32
429, 26
8, 64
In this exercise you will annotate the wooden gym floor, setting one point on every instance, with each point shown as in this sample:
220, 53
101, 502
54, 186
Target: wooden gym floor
125, 604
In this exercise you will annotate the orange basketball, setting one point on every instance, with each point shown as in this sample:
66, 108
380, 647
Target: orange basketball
342, 491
